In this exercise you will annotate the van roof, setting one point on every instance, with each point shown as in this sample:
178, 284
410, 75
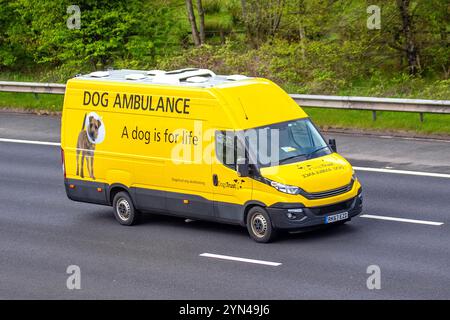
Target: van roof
250, 102
189, 77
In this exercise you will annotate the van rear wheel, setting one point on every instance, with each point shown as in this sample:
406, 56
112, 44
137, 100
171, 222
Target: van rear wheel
124, 210
259, 225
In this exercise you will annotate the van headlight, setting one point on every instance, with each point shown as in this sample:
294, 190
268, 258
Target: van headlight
284, 187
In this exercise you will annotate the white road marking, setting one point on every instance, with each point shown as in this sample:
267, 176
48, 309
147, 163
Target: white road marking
219, 256
413, 173
45, 143
431, 223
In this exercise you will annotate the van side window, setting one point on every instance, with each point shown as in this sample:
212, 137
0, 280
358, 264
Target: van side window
226, 151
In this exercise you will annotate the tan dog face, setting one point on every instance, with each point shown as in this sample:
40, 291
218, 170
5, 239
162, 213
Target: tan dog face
94, 124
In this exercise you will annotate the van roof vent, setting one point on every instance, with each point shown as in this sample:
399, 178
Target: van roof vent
179, 71
189, 77
174, 77
196, 73
99, 74
135, 76
236, 77
197, 79
162, 78
155, 72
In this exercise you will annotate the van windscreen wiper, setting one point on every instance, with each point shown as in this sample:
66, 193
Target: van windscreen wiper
292, 157
314, 151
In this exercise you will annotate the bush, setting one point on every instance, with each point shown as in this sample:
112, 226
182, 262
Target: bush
317, 67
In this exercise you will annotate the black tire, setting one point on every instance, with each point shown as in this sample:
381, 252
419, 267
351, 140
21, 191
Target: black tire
259, 225
124, 210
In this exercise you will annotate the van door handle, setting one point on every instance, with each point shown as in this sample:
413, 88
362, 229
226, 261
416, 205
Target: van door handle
215, 180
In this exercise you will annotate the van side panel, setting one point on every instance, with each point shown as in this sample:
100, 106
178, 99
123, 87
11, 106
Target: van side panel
154, 147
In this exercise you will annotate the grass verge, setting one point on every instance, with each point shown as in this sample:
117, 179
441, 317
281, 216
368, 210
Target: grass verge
434, 124
31, 102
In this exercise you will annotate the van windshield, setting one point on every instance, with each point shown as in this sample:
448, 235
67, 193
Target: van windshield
286, 142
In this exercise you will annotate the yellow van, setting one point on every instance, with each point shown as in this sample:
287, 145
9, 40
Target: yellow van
190, 143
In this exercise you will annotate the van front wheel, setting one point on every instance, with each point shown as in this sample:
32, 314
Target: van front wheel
124, 210
259, 225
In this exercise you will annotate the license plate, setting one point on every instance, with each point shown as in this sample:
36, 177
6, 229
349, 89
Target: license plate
336, 217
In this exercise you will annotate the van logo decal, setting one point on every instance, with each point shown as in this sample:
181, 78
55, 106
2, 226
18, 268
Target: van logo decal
137, 102
92, 133
319, 169
236, 184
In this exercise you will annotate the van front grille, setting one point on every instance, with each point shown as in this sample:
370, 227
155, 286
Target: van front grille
320, 211
328, 193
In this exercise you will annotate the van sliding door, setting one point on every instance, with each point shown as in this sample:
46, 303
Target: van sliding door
230, 191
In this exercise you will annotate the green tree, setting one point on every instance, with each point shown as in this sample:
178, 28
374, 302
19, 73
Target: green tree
262, 19
111, 32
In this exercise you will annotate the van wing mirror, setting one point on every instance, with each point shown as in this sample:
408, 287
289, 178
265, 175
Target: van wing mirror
242, 169
332, 143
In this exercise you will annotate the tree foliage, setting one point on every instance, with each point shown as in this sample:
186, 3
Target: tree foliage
320, 45
112, 32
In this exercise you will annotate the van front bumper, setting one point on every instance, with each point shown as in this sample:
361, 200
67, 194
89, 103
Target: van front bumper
292, 217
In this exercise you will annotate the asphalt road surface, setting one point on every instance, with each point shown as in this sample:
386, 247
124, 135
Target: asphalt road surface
42, 233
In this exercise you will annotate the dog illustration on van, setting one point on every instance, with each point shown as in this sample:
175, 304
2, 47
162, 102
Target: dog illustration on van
87, 139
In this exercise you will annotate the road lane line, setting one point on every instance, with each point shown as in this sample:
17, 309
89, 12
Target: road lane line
431, 223
219, 256
44, 143
413, 173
